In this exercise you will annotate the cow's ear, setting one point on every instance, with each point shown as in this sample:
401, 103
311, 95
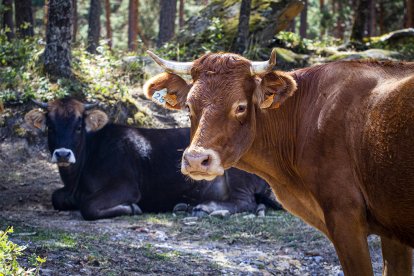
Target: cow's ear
168, 90
274, 88
95, 120
36, 119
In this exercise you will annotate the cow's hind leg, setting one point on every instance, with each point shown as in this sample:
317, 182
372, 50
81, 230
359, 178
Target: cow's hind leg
62, 200
222, 207
397, 258
110, 203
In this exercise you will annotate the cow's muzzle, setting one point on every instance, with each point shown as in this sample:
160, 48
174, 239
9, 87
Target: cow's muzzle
63, 157
200, 163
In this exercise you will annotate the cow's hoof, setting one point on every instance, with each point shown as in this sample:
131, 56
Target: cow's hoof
135, 209
261, 210
199, 213
180, 207
220, 213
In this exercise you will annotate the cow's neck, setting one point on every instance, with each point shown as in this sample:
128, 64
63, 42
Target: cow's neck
273, 153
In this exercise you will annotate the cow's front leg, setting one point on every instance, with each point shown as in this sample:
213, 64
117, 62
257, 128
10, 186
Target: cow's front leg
348, 231
222, 207
397, 258
108, 203
62, 200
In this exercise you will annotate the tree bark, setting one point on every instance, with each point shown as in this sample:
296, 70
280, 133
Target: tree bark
8, 19
75, 20
168, 10
108, 23
24, 18
371, 18
57, 55
360, 17
94, 29
409, 16
133, 25
181, 14
304, 20
240, 44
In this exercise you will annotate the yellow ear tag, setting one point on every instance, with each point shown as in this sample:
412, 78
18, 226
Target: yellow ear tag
268, 102
159, 95
171, 99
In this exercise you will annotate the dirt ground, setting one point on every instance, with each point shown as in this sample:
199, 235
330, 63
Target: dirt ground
151, 244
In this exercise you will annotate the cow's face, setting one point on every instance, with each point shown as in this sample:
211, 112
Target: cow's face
222, 103
67, 123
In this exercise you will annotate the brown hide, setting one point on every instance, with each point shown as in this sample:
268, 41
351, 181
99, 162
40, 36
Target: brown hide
338, 150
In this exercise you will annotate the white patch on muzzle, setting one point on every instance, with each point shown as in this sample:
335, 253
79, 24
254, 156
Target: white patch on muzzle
63, 152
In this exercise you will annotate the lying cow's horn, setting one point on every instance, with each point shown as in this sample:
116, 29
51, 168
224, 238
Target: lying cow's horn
40, 104
261, 67
172, 66
90, 105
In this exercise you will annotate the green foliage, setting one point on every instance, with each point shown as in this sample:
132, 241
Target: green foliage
9, 252
212, 41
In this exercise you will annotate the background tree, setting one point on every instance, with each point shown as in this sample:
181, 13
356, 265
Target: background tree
8, 19
108, 23
361, 14
409, 14
181, 20
94, 27
168, 10
24, 17
304, 20
75, 20
240, 44
57, 55
133, 25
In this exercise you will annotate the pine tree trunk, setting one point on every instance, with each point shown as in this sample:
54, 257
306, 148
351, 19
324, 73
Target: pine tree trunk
24, 18
108, 23
181, 14
360, 17
8, 19
57, 55
304, 20
132, 25
75, 20
240, 44
371, 18
409, 16
168, 10
94, 29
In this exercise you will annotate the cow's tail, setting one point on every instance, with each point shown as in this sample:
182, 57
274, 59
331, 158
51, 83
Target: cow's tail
268, 199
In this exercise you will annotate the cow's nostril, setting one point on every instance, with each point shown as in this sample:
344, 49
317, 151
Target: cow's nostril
206, 161
66, 154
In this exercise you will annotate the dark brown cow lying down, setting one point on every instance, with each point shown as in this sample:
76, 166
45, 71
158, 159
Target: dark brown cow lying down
335, 142
110, 170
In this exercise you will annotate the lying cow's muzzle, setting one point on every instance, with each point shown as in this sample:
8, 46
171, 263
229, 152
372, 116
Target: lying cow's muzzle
199, 163
63, 157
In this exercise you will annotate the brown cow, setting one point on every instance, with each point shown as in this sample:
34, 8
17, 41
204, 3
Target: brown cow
335, 142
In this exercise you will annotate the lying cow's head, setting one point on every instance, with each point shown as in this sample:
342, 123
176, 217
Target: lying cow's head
67, 123
223, 99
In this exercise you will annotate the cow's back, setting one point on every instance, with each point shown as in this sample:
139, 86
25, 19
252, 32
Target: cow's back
387, 156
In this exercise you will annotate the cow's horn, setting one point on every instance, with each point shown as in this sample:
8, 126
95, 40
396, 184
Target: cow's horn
261, 67
90, 105
172, 66
40, 104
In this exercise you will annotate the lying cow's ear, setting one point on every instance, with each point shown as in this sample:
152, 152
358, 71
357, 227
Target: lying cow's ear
168, 90
95, 120
36, 118
274, 88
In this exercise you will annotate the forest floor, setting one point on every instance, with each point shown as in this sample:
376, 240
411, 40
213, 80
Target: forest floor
157, 244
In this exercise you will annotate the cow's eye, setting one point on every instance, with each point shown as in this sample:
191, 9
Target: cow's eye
241, 108
79, 128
